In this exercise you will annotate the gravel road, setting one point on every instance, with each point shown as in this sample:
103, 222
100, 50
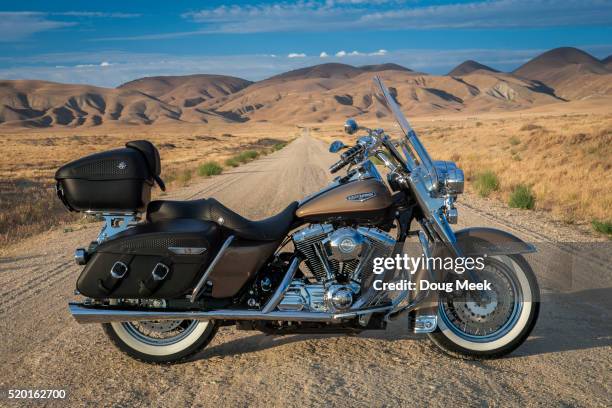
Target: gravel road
566, 362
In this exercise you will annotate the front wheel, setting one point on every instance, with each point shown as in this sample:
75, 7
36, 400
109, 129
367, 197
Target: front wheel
161, 342
469, 327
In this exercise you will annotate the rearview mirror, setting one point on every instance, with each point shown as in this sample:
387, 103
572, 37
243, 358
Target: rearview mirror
336, 146
350, 126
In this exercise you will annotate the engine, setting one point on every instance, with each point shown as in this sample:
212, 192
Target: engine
337, 262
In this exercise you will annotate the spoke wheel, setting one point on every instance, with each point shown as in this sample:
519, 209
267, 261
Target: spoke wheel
161, 341
493, 323
471, 318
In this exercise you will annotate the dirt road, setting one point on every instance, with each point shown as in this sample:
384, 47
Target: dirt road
566, 362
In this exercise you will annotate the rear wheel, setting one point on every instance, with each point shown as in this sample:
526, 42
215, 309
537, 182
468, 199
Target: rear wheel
167, 341
470, 327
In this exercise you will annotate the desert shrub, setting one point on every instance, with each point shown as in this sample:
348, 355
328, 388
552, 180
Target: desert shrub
529, 127
486, 183
279, 146
522, 197
210, 168
232, 162
514, 141
247, 156
185, 176
603, 227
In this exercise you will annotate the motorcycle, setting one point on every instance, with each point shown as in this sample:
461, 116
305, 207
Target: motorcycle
161, 286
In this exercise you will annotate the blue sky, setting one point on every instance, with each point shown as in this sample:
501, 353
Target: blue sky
107, 43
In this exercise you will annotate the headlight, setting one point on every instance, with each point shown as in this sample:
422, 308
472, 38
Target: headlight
451, 179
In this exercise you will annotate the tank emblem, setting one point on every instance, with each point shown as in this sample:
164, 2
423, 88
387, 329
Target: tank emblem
361, 197
122, 165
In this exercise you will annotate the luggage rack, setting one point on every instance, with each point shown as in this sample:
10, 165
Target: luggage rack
114, 223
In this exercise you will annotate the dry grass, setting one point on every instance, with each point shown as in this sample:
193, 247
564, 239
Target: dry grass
27, 208
564, 159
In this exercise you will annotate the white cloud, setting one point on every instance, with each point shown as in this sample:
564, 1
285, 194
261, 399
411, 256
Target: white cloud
86, 67
296, 55
323, 55
15, 26
341, 54
19, 25
319, 15
94, 14
379, 52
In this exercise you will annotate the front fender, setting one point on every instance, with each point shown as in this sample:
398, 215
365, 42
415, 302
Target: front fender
479, 241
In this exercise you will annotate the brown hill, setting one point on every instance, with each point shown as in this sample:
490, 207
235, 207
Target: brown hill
384, 67
607, 61
468, 67
570, 72
312, 94
320, 99
558, 58
188, 90
28, 103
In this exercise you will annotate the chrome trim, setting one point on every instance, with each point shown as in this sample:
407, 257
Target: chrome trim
187, 250
80, 256
114, 223
160, 277
425, 324
202, 281
84, 314
320, 252
399, 310
282, 287
118, 275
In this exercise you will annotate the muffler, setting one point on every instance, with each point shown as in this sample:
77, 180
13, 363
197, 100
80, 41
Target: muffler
84, 314
103, 314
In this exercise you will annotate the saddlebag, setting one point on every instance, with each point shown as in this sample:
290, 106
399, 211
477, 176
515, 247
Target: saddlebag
161, 260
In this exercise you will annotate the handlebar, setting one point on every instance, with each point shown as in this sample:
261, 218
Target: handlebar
347, 157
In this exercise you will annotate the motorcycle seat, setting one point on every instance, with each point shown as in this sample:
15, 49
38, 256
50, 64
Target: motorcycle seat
269, 229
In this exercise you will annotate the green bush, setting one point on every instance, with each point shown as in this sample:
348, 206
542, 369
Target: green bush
232, 162
247, 156
210, 168
522, 197
515, 141
486, 183
603, 227
279, 146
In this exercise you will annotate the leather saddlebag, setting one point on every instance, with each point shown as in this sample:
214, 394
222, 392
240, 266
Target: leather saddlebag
162, 260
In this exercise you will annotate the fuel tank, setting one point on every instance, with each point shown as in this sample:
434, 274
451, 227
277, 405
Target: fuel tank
360, 200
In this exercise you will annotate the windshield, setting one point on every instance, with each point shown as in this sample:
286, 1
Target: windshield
388, 109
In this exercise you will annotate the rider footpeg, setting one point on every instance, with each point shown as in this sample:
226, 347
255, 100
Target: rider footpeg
425, 323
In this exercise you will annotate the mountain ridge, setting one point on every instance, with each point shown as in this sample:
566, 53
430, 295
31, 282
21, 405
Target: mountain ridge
311, 94
469, 66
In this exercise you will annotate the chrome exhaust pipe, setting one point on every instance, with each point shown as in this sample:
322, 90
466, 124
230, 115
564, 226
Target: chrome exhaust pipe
85, 314
96, 314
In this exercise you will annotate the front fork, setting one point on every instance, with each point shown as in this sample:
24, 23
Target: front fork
422, 305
